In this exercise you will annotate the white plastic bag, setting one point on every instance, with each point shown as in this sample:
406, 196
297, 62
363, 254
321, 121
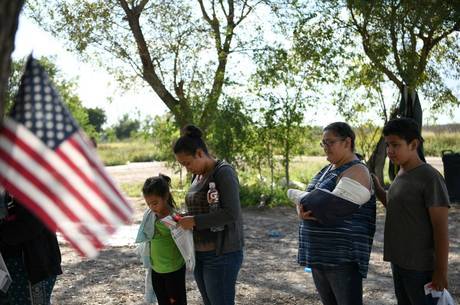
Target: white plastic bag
444, 296
5, 278
184, 241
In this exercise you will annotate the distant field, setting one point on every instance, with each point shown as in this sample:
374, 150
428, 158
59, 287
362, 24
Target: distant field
436, 142
118, 153
143, 151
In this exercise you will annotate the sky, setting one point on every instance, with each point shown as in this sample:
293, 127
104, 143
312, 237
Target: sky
96, 88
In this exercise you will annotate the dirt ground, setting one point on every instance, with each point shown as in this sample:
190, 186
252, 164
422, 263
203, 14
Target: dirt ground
270, 274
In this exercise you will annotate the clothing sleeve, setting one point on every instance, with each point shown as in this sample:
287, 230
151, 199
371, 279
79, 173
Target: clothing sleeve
25, 227
435, 192
229, 201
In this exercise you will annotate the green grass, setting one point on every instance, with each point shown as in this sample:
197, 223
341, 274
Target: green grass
124, 152
253, 186
435, 143
303, 171
141, 151
132, 189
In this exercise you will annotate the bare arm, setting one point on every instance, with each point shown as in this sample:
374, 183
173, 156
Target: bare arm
359, 173
439, 221
380, 191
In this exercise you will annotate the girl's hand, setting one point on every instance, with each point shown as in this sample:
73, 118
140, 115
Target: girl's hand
305, 215
187, 222
439, 281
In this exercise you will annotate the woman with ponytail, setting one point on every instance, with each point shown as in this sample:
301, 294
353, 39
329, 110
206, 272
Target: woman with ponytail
217, 232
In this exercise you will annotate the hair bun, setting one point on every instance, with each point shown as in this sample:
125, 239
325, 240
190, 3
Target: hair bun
165, 178
192, 131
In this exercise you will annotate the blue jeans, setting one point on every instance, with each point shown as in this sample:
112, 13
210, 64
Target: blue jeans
216, 276
339, 285
409, 286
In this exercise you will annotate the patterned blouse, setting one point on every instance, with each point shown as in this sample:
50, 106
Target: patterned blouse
348, 241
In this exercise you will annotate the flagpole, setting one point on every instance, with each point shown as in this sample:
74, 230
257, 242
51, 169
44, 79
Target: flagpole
9, 19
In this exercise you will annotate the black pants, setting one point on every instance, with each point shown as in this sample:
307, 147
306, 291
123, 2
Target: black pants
170, 287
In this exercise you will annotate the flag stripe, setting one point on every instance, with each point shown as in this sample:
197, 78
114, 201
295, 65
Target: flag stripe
45, 208
80, 165
51, 177
29, 203
86, 188
50, 187
97, 164
47, 163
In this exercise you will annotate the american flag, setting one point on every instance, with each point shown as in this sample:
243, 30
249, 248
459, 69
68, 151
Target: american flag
50, 166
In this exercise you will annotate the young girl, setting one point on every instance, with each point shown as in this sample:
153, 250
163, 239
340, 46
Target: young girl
167, 264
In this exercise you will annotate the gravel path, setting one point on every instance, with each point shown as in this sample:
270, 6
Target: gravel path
269, 274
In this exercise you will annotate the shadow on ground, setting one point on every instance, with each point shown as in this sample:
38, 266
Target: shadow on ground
269, 274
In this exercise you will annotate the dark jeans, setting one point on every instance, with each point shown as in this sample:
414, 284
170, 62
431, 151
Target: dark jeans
339, 285
216, 276
170, 287
409, 286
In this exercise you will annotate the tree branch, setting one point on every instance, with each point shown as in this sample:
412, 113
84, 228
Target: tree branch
367, 49
215, 26
148, 69
222, 6
203, 12
394, 40
243, 15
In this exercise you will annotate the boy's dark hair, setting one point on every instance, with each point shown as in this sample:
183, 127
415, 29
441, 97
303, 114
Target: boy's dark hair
190, 141
342, 130
405, 128
159, 186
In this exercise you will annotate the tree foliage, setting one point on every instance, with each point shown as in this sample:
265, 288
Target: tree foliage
408, 42
126, 127
97, 118
230, 135
287, 88
368, 47
181, 49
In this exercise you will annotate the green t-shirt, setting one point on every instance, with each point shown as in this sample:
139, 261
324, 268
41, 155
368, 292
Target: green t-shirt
164, 254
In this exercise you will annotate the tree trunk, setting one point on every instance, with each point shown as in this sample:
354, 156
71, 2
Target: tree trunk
271, 164
9, 17
376, 162
286, 164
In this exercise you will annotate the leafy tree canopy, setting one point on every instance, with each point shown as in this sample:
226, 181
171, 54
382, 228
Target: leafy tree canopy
180, 48
364, 43
126, 127
97, 118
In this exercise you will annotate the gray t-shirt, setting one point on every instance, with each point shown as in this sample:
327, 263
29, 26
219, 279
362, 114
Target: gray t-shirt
408, 240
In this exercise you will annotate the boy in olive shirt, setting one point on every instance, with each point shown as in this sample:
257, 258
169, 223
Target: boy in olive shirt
416, 230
